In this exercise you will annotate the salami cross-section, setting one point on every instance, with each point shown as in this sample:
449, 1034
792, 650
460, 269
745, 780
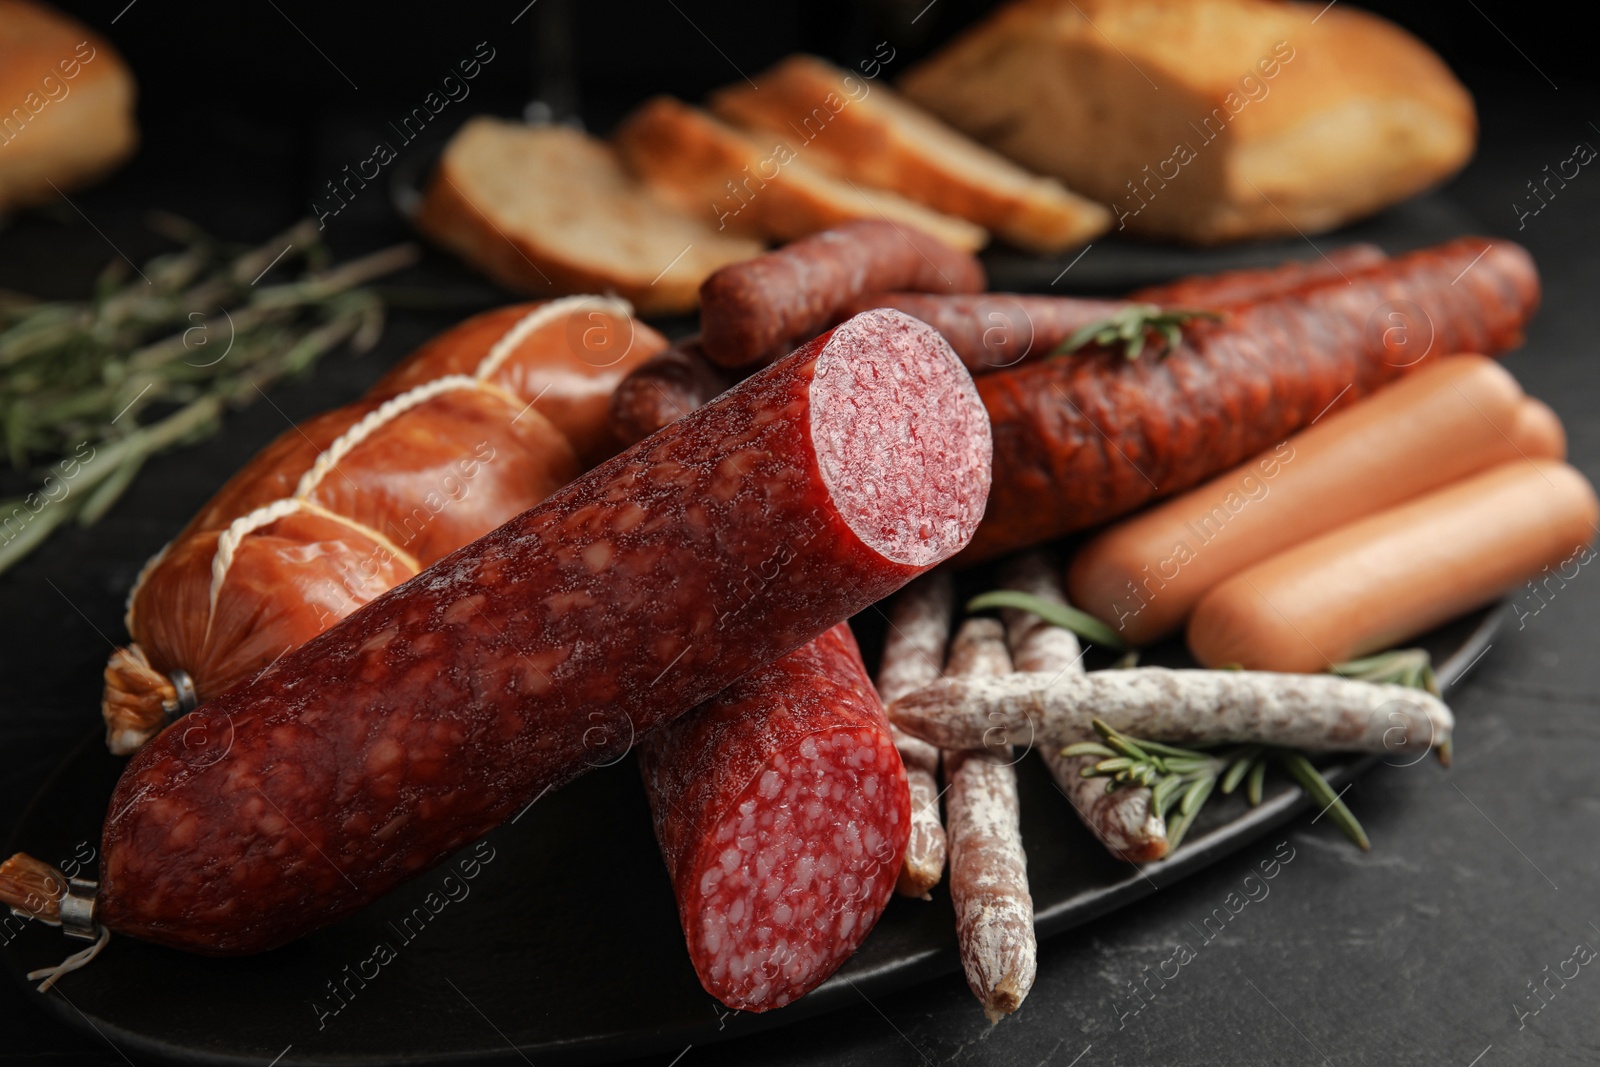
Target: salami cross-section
442, 708
782, 812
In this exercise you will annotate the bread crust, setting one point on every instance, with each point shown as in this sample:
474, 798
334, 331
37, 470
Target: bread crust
1208, 120
850, 126
66, 104
539, 258
758, 184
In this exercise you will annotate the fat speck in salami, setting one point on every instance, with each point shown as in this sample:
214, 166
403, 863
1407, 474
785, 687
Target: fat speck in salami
782, 812
443, 707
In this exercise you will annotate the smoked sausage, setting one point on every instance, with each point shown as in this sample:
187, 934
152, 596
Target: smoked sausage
750, 310
480, 424
782, 812
664, 388
1087, 438
375, 750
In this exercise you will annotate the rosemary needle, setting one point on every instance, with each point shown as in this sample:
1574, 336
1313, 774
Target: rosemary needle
202, 328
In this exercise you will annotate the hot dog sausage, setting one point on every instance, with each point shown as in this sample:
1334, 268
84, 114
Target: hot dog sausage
449, 445
782, 812
750, 310
1084, 439
375, 750
1385, 579
1450, 419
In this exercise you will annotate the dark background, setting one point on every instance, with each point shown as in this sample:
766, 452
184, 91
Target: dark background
1479, 876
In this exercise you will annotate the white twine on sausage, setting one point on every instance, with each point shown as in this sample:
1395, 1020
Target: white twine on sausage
79, 959
329, 457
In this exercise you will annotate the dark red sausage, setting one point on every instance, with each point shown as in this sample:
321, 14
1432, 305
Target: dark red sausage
782, 811
442, 708
1244, 286
663, 389
993, 331
750, 310
1082, 439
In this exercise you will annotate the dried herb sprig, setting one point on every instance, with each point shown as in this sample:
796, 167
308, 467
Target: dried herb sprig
1130, 328
1185, 778
1079, 622
193, 333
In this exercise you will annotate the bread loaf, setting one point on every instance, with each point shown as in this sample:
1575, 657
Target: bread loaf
1207, 120
66, 104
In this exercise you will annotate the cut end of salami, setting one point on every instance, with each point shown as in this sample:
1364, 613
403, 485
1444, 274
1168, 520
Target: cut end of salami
913, 503
808, 826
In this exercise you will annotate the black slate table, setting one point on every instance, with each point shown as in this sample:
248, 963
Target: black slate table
1481, 880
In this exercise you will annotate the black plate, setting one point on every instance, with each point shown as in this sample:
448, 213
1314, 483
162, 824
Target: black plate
563, 945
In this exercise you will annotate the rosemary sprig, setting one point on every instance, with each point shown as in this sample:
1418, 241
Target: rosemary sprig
1081, 623
195, 333
1411, 667
1184, 778
1130, 327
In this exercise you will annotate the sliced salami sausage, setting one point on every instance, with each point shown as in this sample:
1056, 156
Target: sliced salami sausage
782, 812
750, 310
442, 708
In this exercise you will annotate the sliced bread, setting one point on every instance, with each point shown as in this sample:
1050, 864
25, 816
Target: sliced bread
550, 210
851, 126
740, 183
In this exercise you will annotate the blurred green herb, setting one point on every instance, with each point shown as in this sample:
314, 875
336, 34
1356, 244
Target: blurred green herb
91, 389
1130, 327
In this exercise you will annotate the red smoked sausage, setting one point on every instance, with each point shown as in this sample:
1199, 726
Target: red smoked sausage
782, 811
442, 708
1084, 439
663, 389
1244, 286
993, 331
750, 310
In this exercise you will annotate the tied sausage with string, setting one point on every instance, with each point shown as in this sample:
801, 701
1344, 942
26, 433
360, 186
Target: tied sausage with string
444, 707
782, 812
481, 423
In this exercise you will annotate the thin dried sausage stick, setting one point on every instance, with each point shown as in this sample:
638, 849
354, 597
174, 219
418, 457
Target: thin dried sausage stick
1084, 439
782, 813
454, 441
665, 388
1314, 712
374, 751
750, 310
1122, 819
988, 867
913, 656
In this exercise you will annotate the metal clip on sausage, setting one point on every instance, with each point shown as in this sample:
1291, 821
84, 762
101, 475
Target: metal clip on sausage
35, 890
